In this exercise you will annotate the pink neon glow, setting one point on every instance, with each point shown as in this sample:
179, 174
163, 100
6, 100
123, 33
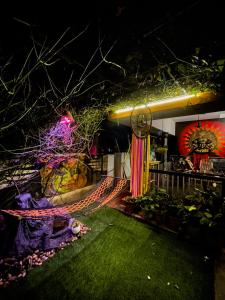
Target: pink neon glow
59, 139
66, 120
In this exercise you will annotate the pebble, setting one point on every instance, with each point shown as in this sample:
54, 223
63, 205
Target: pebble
16, 268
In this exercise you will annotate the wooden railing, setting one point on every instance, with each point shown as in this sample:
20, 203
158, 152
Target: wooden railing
96, 169
179, 183
17, 175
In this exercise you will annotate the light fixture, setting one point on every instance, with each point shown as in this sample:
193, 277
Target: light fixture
154, 103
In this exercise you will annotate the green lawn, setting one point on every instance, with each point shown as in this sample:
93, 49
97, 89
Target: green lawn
114, 260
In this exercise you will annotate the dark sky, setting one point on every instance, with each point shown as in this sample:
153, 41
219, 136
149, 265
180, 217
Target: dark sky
159, 31
188, 23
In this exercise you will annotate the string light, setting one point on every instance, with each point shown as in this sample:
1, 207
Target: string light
155, 103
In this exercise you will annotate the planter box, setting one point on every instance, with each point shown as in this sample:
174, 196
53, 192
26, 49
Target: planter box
159, 219
173, 223
129, 207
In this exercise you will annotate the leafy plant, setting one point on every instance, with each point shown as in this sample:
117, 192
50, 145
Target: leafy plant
155, 201
161, 150
203, 208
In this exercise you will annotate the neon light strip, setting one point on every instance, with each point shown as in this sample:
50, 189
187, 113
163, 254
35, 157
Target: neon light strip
154, 103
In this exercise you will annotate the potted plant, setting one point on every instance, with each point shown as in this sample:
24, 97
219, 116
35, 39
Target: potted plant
173, 221
203, 216
130, 205
154, 205
161, 149
190, 226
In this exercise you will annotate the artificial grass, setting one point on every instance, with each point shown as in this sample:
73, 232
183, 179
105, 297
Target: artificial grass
120, 258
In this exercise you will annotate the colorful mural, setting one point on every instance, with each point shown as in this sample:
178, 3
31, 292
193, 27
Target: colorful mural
203, 138
71, 174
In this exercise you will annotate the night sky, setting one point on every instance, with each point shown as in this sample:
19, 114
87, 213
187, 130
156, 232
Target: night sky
140, 34
182, 25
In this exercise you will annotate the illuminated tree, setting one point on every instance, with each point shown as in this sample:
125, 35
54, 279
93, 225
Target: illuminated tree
37, 89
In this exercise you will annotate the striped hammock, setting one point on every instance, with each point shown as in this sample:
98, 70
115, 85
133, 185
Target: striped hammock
100, 195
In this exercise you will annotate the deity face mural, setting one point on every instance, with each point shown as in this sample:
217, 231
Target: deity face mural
207, 138
202, 141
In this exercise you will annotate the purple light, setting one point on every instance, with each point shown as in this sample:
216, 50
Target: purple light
59, 139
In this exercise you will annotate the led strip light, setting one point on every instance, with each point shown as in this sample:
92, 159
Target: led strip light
154, 103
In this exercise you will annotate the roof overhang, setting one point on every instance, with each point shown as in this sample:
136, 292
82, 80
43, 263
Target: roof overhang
172, 107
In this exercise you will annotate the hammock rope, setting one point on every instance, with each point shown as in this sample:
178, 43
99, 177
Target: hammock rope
95, 196
115, 192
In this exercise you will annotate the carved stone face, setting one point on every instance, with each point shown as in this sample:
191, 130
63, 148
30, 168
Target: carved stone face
210, 145
203, 141
202, 145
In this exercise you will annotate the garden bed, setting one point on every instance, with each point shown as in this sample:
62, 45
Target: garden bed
199, 217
